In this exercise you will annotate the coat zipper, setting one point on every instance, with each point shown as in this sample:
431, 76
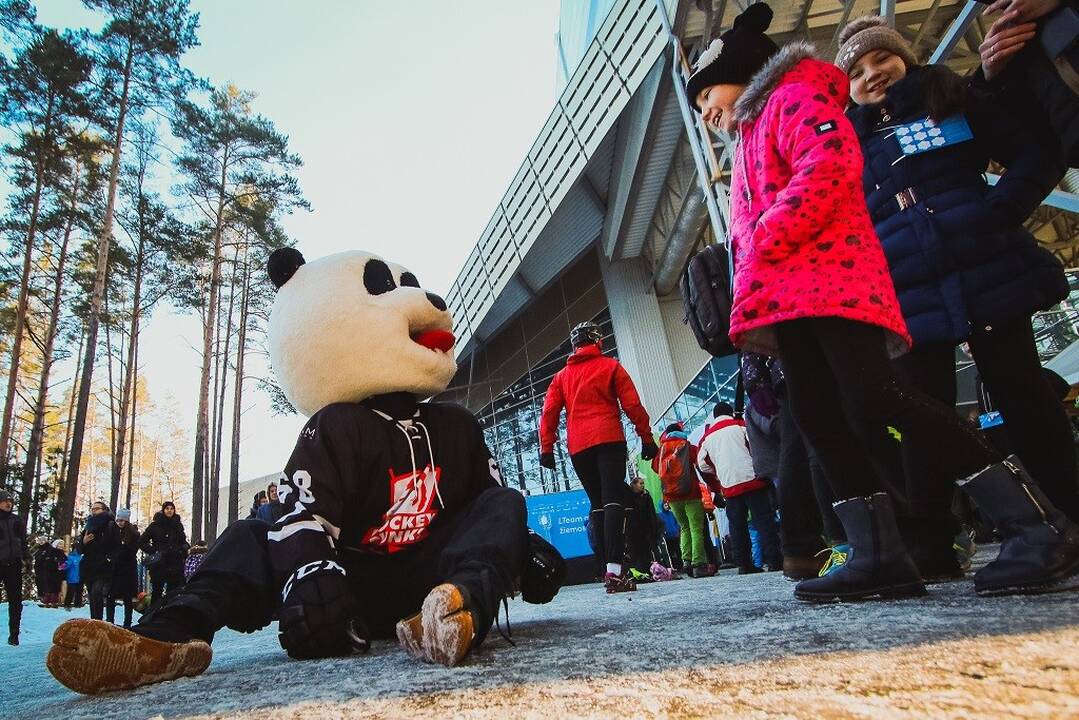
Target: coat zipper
874, 531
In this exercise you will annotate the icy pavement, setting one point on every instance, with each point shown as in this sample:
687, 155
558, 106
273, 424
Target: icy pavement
729, 646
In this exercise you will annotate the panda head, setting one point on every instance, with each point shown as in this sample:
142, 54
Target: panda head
350, 326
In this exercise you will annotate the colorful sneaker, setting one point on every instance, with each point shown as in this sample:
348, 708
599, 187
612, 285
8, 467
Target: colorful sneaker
640, 577
618, 583
836, 558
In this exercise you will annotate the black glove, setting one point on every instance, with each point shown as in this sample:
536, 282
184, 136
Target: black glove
318, 615
547, 460
648, 450
544, 572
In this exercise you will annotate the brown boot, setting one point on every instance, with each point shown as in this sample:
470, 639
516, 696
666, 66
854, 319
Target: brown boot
442, 631
91, 657
796, 567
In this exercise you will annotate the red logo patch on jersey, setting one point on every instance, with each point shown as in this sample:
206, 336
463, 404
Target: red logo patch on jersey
408, 521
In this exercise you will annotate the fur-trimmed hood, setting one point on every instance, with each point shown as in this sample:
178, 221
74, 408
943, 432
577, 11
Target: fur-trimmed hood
760, 87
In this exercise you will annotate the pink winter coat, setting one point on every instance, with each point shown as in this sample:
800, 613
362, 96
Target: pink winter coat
804, 245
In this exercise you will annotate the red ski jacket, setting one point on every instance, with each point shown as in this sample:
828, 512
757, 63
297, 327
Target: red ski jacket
591, 387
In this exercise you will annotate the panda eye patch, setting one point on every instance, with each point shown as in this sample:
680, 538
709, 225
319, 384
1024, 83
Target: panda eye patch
409, 280
377, 277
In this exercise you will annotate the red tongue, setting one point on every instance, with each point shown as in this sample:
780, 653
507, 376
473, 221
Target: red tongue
435, 340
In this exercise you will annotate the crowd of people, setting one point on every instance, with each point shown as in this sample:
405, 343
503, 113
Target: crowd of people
102, 565
867, 244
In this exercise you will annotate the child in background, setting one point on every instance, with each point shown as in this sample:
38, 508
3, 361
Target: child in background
73, 595
676, 465
194, 559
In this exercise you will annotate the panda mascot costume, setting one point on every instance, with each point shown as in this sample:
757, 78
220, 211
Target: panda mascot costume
396, 520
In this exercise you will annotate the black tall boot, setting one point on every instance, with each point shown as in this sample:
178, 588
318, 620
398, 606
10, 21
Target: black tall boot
930, 541
878, 565
1039, 550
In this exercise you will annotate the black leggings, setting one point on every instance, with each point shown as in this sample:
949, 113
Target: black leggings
805, 500
602, 471
845, 393
164, 583
1036, 424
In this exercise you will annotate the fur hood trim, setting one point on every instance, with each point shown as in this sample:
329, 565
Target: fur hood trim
760, 87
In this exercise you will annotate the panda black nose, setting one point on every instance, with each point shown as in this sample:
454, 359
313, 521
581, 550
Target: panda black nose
438, 302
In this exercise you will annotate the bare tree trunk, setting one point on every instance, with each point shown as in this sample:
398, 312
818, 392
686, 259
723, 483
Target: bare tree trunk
70, 413
202, 421
237, 400
129, 374
67, 504
134, 404
33, 449
215, 419
215, 488
23, 303
113, 491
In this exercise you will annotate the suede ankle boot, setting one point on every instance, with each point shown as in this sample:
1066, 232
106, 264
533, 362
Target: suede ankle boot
1039, 549
877, 565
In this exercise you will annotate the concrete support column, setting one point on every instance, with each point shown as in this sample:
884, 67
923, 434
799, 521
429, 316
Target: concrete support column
639, 330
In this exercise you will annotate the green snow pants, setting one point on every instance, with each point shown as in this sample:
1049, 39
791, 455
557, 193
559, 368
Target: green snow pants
690, 517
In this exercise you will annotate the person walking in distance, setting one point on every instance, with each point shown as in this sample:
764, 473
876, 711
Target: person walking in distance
13, 555
595, 390
676, 465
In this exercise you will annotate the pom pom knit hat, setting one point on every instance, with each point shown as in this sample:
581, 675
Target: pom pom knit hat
866, 35
735, 57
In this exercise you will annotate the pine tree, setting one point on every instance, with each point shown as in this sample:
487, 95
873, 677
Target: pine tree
231, 156
43, 98
139, 51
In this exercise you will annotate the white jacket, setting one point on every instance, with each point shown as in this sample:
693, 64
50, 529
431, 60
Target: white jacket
724, 452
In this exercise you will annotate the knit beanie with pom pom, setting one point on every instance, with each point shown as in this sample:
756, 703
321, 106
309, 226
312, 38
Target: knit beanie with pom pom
735, 57
866, 35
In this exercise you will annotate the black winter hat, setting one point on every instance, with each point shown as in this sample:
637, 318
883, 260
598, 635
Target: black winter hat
737, 55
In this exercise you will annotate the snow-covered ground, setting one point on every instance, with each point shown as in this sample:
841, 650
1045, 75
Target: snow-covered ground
729, 646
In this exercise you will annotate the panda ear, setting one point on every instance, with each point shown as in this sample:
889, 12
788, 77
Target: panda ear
283, 264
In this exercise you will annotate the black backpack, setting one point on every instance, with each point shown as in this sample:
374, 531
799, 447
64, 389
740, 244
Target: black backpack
706, 296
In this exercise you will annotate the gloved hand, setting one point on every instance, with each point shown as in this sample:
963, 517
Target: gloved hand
318, 616
544, 572
547, 460
648, 449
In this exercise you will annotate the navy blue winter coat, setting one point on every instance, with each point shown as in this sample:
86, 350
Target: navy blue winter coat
959, 256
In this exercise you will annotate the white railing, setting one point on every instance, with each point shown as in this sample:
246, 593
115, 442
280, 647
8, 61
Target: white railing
625, 48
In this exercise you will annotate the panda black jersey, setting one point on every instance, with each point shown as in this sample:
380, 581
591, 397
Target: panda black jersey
360, 481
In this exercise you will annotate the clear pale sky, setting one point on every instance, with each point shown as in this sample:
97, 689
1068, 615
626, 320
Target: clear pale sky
411, 118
